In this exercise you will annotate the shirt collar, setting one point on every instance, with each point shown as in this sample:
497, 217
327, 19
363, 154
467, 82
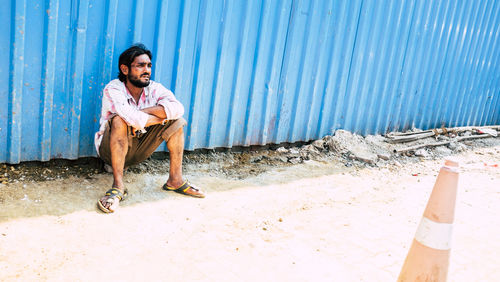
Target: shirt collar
144, 93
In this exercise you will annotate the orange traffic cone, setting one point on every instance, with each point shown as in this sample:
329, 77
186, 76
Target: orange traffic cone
429, 255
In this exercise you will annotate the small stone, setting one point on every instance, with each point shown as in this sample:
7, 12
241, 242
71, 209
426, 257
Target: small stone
304, 154
421, 153
295, 160
461, 147
442, 138
364, 156
384, 156
312, 149
319, 144
453, 146
442, 150
282, 150
283, 159
309, 150
256, 159
107, 168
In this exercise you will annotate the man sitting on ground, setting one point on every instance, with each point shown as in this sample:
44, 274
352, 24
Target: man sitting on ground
137, 115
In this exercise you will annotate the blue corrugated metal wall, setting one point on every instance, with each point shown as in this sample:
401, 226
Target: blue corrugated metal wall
249, 72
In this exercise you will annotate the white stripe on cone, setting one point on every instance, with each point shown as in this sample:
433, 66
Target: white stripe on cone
429, 254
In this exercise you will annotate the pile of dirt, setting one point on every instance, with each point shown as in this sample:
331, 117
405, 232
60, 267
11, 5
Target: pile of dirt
342, 147
376, 150
51, 170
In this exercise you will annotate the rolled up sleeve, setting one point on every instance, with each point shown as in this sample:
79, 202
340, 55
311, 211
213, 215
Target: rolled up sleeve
120, 106
173, 108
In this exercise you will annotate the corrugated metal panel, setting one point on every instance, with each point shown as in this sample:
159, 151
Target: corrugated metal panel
249, 72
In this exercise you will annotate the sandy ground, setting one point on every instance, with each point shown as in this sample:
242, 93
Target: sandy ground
309, 222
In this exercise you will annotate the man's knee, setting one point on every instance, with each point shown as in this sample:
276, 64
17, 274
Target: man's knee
175, 130
179, 131
118, 125
175, 136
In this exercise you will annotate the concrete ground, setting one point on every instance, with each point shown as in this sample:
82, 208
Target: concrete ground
310, 222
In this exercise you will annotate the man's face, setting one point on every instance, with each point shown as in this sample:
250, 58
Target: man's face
140, 71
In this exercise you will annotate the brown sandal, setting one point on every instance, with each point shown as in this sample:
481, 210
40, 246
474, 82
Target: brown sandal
186, 189
112, 193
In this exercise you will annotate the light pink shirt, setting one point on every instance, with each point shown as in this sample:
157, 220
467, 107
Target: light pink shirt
116, 99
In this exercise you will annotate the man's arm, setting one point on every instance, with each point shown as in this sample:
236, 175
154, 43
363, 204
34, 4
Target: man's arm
156, 115
116, 103
167, 106
152, 120
171, 106
157, 111
138, 119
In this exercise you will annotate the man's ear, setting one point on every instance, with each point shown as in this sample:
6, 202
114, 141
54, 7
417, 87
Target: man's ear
124, 69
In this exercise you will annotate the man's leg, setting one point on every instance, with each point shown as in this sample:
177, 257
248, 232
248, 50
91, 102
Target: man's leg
120, 149
118, 143
175, 146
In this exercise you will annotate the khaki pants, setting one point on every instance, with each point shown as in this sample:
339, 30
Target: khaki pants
143, 145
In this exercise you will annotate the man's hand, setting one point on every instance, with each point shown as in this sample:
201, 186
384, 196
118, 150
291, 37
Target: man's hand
152, 120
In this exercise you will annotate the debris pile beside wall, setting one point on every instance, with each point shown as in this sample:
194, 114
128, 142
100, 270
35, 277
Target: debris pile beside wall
394, 147
343, 148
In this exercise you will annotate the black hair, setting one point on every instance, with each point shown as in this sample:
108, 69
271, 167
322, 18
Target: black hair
129, 55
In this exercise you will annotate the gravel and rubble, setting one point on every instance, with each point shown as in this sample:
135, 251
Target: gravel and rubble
344, 200
343, 147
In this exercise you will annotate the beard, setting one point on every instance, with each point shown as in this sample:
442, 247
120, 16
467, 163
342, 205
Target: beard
137, 82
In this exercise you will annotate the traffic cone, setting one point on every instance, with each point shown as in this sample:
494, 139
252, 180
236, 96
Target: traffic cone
428, 257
